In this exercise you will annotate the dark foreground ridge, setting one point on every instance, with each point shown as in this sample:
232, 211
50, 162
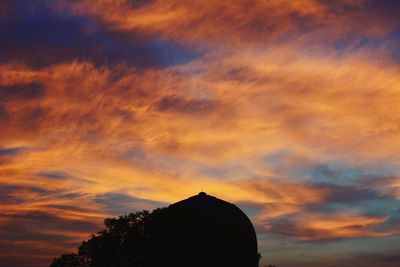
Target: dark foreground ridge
199, 231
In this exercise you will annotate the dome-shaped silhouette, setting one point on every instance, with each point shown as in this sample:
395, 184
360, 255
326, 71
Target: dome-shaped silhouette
208, 232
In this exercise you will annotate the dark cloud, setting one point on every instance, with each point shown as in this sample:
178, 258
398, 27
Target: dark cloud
15, 194
31, 118
11, 151
334, 172
139, 3
350, 194
117, 203
26, 237
21, 224
381, 258
21, 91
364, 199
70, 195
368, 259
341, 173
6, 7
39, 36
189, 106
125, 115
7, 195
304, 233
28, 116
54, 175
69, 208
389, 259
4, 116
286, 228
12, 255
380, 11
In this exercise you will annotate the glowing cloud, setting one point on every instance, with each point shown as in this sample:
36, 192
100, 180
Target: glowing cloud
288, 108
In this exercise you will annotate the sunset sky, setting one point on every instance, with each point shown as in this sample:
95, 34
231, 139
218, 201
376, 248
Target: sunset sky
289, 109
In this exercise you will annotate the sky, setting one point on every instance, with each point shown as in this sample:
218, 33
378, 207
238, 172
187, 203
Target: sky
288, 109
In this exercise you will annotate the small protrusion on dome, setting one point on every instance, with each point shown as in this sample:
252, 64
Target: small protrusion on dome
202, 194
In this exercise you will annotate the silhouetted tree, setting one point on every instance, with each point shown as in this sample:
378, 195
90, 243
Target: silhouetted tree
124, 242
67, 260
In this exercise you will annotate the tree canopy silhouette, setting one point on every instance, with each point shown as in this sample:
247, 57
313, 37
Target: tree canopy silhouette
124, 242
201, 231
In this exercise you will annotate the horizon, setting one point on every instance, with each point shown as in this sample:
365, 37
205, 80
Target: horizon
288, 109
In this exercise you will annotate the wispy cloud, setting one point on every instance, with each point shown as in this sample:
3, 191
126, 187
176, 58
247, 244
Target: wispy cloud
288, 108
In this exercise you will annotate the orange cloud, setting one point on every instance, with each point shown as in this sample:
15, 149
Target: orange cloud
239, 23
316, 226
270, 79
